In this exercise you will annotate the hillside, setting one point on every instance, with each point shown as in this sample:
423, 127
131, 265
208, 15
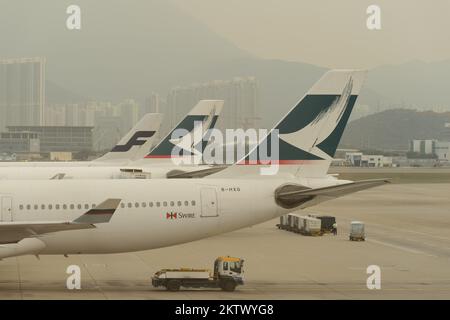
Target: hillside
393, 129
128, 49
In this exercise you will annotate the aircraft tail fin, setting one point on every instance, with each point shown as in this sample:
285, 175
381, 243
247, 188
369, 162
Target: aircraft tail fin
141, 136
193, 136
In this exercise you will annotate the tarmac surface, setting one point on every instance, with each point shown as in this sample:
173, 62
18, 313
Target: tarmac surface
408, 237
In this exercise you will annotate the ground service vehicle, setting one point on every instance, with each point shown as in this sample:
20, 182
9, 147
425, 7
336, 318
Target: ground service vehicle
357, 232
227, 275
327, 222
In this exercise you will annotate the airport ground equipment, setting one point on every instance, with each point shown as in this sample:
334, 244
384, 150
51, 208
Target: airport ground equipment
284, 223
357, 232
306, 225
311, 226
228, 273
327, 222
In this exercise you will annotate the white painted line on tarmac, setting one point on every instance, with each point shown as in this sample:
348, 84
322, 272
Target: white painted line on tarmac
406, 249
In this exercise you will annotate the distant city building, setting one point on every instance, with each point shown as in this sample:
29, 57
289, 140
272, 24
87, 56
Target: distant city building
241, 102
22, 91
423, 146
111, 121
153, 104
107, 132
128, 111
58, 138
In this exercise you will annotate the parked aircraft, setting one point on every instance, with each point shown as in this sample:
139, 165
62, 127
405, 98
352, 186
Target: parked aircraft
136, 145
111, 216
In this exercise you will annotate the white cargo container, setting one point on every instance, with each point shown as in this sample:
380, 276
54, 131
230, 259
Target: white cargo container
357, 231
291, 221
284, 223
312, 226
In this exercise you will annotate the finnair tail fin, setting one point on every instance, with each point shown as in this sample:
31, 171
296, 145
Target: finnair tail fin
304, 142
194, 136
140, 136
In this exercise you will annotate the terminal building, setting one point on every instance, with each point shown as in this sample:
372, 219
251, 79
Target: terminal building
46, 139
358, 159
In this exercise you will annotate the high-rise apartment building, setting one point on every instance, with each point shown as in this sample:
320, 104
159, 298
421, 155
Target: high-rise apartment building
22, 92
240, 96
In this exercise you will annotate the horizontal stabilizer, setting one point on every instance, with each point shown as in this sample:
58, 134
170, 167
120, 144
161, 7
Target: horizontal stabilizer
180, 174
291, 196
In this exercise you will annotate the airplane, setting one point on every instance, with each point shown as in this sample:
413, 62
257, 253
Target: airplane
141, 136
65, 217
143, 162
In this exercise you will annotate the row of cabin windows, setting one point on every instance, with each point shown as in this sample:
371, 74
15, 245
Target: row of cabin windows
56, 206
158, 204
122, 205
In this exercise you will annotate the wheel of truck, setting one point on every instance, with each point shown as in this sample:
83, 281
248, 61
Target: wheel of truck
173, 285
228, 285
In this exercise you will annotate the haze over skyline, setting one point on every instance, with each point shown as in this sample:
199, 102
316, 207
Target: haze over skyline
330, 33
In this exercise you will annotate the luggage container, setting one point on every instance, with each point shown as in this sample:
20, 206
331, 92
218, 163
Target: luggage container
284, 223
312, 226
291, 226
357, 232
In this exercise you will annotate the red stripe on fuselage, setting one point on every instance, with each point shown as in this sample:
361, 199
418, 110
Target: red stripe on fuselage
274, 162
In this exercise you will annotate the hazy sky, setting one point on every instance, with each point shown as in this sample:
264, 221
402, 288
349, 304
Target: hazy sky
330, 33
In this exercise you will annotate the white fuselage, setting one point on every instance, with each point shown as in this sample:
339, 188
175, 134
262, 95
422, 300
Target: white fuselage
89, 172
145, 218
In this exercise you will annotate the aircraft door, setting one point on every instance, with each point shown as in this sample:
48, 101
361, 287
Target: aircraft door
6, 209
209, 202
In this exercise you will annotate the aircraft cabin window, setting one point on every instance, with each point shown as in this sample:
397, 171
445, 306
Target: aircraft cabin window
50, 207
43, 206
129, 205
21, 207
136, 205
72, 206
86, 206
186, 203
57, 206
193, 202
158, 204
165, 203
28, 207
150, 204
179, 203
93, 206
36, 207
122, 205
64, 206
79, 206
172, 203
144, 204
